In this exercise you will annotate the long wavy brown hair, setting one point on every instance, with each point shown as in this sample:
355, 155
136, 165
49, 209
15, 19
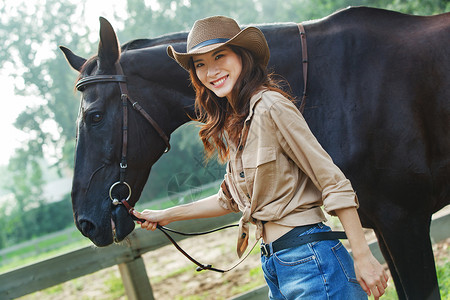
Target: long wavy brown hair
223, 119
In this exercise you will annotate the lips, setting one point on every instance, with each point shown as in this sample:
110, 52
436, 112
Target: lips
219, 82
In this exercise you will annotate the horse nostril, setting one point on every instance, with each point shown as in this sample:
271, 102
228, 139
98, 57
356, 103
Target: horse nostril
87, 227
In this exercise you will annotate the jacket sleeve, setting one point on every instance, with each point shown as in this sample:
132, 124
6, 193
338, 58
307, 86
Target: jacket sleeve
299, 143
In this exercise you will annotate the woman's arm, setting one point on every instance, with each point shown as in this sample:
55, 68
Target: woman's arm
206, 208
369, 272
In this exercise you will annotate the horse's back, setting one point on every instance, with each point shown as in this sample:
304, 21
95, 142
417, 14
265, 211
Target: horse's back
387, 76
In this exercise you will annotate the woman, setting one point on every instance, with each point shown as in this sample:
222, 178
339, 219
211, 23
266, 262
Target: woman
277, 175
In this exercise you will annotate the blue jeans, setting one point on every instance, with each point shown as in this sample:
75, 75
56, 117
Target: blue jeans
317, 270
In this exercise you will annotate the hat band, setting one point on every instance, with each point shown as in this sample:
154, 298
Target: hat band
209, 42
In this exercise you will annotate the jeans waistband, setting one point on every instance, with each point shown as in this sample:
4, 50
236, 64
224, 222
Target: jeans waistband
292, 239
267, 249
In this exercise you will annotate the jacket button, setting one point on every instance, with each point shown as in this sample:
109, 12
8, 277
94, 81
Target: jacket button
242, 174
248, 196
241, 147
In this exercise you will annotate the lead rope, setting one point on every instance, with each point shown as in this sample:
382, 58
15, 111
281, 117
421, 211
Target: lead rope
200, 266
136, 106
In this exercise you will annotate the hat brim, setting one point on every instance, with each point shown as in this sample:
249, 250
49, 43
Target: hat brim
250, 38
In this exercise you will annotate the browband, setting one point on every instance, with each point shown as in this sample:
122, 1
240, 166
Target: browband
99, 78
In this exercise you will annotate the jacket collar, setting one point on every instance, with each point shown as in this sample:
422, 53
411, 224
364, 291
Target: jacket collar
253, 100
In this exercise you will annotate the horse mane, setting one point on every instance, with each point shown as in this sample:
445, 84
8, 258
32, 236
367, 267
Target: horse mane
171, 38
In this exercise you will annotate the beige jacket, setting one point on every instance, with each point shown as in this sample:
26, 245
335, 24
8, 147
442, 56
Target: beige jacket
279, 172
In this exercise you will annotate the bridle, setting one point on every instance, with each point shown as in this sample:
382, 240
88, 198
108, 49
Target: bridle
120, 78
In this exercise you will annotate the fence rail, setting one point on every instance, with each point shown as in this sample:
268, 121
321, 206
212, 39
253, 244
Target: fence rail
89, 259
127, 255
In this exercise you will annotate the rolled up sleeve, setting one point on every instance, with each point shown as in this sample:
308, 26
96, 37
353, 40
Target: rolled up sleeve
299, 143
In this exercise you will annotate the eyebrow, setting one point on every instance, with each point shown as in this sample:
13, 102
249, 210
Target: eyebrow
214, 53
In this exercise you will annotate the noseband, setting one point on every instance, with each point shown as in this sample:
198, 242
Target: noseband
120, 78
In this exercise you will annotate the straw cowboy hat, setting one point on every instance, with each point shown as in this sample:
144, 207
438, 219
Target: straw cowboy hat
211, 33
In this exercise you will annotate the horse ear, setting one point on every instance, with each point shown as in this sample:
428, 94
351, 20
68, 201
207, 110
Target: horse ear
108, 48
74, 61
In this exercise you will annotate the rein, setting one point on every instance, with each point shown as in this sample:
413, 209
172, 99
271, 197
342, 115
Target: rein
125, 97
120, 78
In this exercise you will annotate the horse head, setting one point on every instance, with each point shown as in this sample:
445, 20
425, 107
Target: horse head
100, 173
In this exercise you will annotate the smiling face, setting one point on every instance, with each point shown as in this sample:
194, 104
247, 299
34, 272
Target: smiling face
218, 70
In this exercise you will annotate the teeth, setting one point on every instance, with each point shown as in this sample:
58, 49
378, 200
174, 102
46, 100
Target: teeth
219, 82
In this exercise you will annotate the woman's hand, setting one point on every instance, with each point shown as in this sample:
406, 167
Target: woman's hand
205, 208
152, 218
371, 275
369, 272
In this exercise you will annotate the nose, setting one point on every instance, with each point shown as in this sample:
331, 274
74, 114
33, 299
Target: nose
213, 70
87, 228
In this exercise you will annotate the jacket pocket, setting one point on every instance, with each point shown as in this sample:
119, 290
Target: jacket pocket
259, 171
262, 155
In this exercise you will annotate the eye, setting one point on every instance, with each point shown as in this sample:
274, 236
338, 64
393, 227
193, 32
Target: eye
199, 65
95, 118
219, 56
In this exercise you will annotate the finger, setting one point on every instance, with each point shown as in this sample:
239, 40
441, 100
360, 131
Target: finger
364, 286
377, 291
145, 225
385, 282
381, 289
150, 226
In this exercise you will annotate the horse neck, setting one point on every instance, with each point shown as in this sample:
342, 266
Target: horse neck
165, 86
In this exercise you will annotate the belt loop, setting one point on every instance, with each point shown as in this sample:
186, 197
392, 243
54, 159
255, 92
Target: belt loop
266, 250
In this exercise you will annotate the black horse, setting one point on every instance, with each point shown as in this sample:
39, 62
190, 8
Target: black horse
378, 101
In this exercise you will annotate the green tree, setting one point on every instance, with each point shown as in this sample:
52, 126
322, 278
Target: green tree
31, 33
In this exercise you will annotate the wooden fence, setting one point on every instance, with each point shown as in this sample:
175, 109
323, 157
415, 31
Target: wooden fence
127, 255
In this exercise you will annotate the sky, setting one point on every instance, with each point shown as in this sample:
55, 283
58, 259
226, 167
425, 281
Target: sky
12, 105
10, 137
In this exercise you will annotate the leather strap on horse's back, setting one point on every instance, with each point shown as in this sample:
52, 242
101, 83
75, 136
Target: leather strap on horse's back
304, 63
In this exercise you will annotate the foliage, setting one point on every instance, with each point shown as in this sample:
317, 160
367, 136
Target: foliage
443, 273
32, 34
33, 31
19, 225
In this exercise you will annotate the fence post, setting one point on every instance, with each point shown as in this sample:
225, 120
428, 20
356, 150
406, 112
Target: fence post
135, 280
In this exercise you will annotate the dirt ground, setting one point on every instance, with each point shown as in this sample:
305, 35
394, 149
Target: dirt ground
172, 276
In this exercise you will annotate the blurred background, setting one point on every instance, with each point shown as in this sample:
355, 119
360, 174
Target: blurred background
39, 104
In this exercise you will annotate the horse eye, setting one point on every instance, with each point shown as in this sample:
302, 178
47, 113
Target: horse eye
96, 118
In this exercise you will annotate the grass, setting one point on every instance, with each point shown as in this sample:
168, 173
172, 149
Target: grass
159, 279
114, 287
256, 279
19, 260
46, 248
443, 273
